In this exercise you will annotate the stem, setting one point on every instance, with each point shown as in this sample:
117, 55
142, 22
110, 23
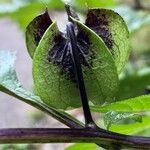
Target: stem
62, 116
38, 135
57, 114
139, 6
79, 76
71, 12
68, 11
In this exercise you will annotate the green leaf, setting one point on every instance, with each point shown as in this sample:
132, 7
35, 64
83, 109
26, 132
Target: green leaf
133, 82
113, 117
137, 104
113, 30
82, 4
56, 90
35, 31
135, 19
10, 5
9, 84
132, 128
24, 12
8, 78
82, 146
16, 146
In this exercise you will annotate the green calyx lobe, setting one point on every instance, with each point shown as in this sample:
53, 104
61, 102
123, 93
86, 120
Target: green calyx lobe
99, 23
113, 30
35, 31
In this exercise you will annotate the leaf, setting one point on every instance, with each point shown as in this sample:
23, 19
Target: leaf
16, 146
25, 12
82, 4
137, 104
8, 79
82, 146
132, 128
35, 31
113, 30
10, 6
9, 84
134, 82
54, 87
135, 19
114, 117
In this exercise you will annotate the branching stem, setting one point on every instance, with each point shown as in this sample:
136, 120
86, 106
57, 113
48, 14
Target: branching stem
40, 135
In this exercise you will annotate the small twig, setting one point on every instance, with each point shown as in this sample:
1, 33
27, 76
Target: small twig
64, 135
139, 6
71, 12
68, 11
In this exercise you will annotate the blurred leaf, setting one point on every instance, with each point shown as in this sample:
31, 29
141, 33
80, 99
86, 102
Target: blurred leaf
143, 35
134, 82
57, 90
83, 146
137, 104
138, 22
110, 26
135, 19
132, 128
82, 4
114, 117
17, 147
10, 5
25, 12
8, 77
9, 84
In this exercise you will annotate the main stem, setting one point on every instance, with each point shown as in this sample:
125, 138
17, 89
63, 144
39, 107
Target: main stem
41, 135
79, 76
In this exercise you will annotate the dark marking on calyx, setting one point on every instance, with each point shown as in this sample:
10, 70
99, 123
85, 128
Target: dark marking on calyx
99, 24
41, 24
61, 56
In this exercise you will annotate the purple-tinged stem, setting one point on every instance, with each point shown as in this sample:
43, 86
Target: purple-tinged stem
64, 135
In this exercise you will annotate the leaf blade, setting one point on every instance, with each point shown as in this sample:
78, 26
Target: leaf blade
113, 117
137, 104
132, 129
9, 84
